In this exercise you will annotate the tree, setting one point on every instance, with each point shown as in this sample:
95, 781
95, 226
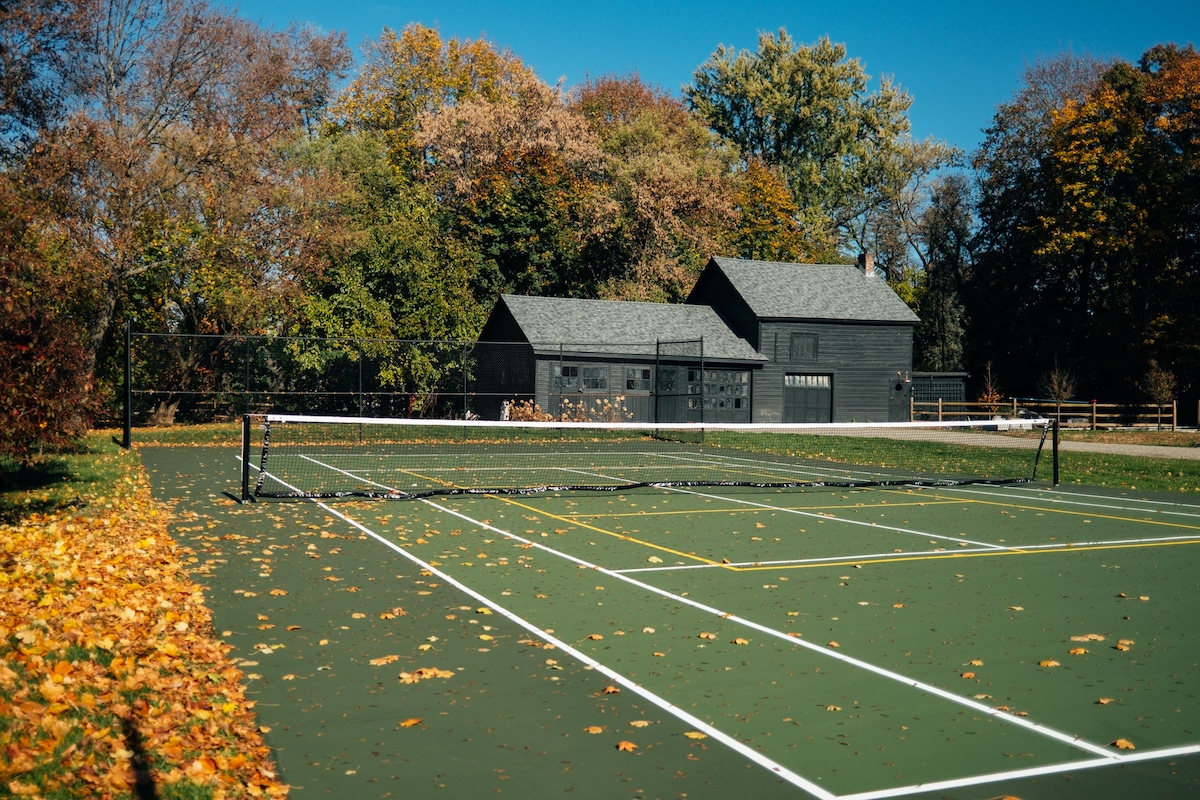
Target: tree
844, 153
165, 176
767, 229
36, 38
417, 73
45, 399
662, 202
1087, 213
944, 235
1010, 300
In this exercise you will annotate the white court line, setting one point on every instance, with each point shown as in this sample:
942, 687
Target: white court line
1053, 501
1021, 722
694, 721
1017, 774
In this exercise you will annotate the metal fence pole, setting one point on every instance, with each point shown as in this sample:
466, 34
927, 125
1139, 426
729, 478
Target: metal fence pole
127, 433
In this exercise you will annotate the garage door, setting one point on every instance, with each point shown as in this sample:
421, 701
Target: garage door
807, 398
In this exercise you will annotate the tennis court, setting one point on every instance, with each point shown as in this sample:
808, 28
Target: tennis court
863, 642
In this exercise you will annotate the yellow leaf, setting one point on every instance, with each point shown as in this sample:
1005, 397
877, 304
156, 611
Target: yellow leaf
968, 675
639, 723
1103, 701
410, 722
1122, 744
834, 644
593, 729
628, 747
279, 592
382, 660
897, 605
1049, 663
1078, 651
740, 640
976, 662
610, 689
695, 735
358, 615
594, 636
483, 610
707, 635
654, 560
832, 707
289, 677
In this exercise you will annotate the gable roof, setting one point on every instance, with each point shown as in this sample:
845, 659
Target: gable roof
777, 290
622, 327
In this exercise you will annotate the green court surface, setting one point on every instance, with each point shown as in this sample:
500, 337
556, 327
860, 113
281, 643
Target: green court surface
965, 642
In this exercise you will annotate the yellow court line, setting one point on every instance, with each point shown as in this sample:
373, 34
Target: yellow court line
614, 534
944, 556
1071, 513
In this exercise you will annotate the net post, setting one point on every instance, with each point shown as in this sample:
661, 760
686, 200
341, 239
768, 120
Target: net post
1054, 451
246, 498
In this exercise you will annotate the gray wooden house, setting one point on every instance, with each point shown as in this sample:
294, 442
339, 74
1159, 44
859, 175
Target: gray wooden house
756, 341
649, 361
837, 339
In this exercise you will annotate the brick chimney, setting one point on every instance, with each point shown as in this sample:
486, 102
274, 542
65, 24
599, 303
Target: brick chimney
866, 262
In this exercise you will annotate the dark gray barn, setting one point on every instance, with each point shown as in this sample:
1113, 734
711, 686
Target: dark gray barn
756, 341
652, 362
837, 339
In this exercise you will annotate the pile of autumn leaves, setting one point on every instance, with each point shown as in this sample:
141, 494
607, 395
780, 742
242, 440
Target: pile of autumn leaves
109, 673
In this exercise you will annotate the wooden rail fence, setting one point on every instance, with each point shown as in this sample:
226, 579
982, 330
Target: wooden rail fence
1072, 414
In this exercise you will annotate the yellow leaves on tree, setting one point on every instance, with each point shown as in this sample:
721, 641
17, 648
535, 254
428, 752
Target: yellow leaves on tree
104, 634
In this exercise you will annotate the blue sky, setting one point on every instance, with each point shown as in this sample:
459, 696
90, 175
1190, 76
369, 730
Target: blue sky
958, 60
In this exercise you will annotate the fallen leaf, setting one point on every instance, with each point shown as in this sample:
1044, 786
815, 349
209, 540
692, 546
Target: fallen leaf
740, 640
483, 610
289, 677
410, 722
278, 592
1103, 701
1122, 744
654, 560
1016, 608
593, 729
976, 662
707, 635
610, 689
1049, 663
833, 708
628, 747
834, 644
639, 723
382, 660
594, 636
968, 675
695, 735
1078, 651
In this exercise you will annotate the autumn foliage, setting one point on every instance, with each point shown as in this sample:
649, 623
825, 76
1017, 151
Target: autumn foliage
110, 677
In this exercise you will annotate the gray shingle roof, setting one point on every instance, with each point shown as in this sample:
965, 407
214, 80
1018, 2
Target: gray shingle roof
623, 327
775, 290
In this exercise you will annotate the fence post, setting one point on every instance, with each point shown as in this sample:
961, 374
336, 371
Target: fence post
939, 409
127, 433
1014, 411
1055, 452
912, 408
1174, 415
1093, 415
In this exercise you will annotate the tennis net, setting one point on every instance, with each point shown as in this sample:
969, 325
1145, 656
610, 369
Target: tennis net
330, 457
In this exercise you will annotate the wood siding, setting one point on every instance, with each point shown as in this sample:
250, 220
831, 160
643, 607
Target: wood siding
861, 358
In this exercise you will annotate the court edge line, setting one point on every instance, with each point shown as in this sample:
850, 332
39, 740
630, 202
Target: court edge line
1063, 501
1017, 774
719, 735
1021, 722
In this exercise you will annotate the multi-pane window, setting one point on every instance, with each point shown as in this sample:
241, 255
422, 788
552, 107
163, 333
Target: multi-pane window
595, 379
806, 381
726, 389
566, 377
637, 379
